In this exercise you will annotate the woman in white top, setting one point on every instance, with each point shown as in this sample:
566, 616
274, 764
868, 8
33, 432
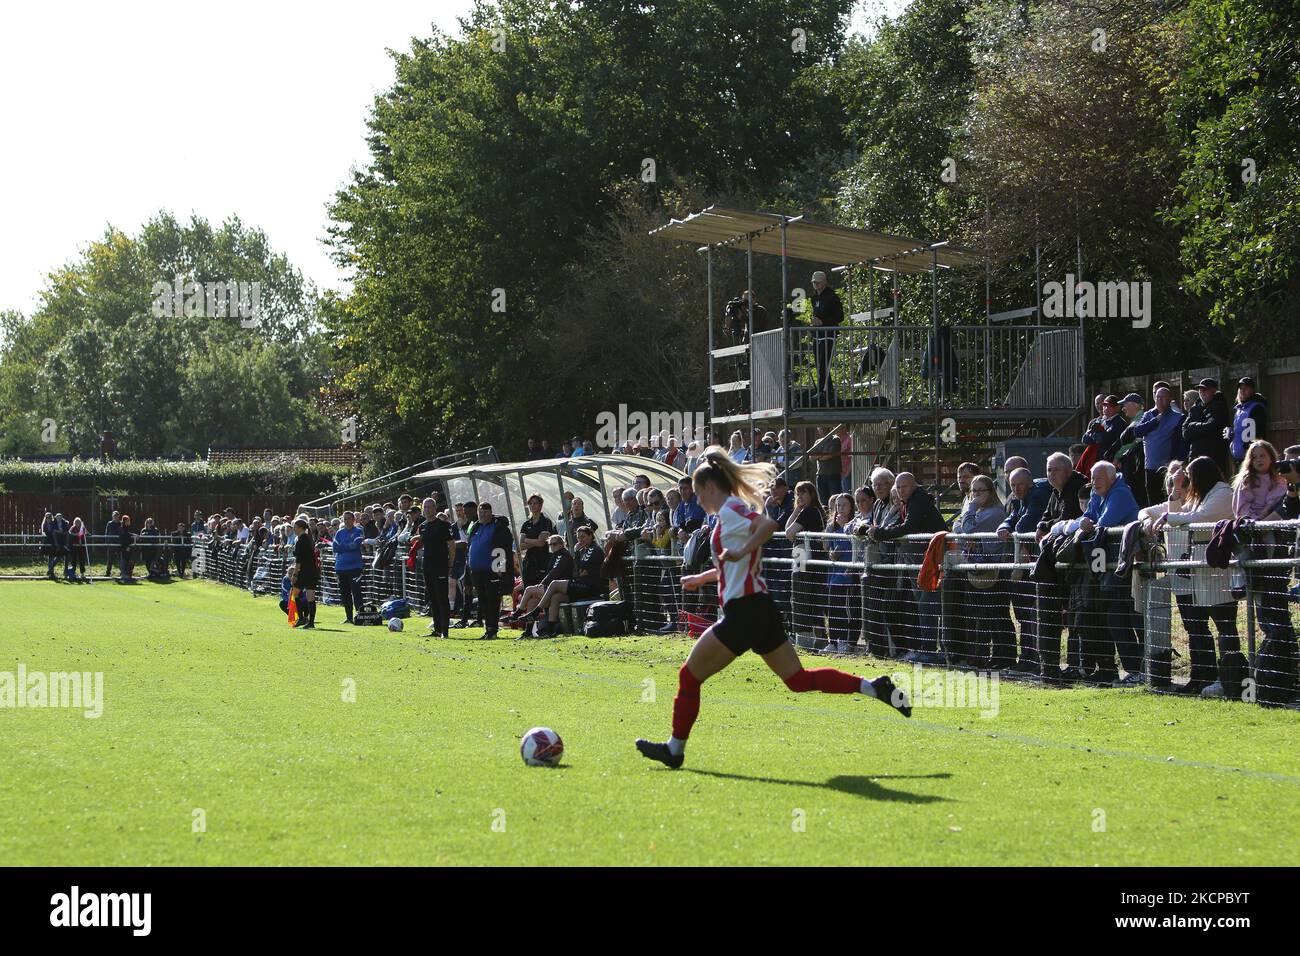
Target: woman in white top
1175, 493
750, 619
1204, 594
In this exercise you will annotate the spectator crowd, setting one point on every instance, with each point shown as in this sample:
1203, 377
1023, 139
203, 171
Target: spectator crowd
1182, 478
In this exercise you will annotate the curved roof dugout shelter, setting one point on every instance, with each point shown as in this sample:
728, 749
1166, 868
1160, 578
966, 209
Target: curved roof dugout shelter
980, 369
507, 486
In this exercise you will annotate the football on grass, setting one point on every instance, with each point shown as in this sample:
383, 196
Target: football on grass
541, 747
394, 623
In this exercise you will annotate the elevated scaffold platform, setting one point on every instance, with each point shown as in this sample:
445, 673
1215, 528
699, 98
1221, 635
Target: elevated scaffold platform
911, 392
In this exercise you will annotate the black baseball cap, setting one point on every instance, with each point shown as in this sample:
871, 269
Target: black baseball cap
1208, 383
1246, 381
1132, 397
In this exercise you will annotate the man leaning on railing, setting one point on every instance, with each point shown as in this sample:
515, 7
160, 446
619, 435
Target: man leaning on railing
1052, 597
1113, 505
919, 515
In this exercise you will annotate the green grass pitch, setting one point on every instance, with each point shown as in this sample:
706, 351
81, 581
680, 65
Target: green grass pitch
216, 713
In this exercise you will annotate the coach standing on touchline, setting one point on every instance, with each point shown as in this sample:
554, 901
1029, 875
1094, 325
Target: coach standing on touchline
491, 559
439, 555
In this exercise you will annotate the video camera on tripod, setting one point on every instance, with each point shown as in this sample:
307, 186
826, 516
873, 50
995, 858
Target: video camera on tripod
737, 319
736, 312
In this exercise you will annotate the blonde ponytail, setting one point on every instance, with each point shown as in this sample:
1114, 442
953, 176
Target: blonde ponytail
749, 482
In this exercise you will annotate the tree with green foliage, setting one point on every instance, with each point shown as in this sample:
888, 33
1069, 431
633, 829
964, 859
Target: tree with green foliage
1235, 107
100, 354
495, 158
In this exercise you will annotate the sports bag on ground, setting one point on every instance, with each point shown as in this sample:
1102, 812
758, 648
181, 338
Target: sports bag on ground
397, 607
606, 619
367, 615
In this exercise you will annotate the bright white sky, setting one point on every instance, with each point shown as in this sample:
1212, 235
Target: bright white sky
112, 112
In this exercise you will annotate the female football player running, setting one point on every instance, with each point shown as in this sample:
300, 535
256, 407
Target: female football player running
750, 619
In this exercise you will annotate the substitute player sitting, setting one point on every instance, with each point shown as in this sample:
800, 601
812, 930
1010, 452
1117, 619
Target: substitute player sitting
560, 568
584, 585
750, 619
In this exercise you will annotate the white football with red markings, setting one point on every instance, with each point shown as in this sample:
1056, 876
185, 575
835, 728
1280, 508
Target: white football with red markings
541, 747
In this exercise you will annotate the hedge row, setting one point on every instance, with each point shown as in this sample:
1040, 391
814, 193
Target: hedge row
287, 475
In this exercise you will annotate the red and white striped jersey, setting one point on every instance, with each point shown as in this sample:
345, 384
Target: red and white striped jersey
743, 577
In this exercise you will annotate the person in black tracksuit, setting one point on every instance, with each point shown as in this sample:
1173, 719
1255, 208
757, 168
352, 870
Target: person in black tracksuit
534, 535
439, 555
307, 577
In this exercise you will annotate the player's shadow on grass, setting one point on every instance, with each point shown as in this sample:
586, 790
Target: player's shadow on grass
858, 786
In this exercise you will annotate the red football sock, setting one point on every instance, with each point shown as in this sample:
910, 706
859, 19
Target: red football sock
686, 705
825, 679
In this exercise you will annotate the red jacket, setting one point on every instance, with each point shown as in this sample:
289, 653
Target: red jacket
931, 572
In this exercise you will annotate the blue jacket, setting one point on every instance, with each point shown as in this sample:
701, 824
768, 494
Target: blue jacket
1254, 409
1115, 510
488, 539
347, 548
1024, 515
1159, 433
690, 511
